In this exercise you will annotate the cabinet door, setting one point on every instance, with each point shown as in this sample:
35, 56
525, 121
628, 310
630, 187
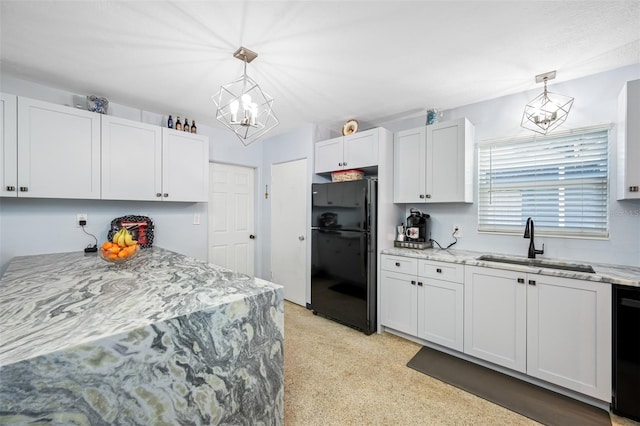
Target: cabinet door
495, 316
409, 166
628, 144
360, 150
569, 334
185, 166
8, 145
446, 166
328, 155
58, 151
131, 160
440, 312
398, 308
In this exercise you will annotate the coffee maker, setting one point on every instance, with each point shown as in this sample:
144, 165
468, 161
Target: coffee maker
418, 227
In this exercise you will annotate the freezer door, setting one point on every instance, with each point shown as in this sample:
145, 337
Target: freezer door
341, 286
341, 205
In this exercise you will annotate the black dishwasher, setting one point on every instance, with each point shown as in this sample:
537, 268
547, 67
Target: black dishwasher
626, 351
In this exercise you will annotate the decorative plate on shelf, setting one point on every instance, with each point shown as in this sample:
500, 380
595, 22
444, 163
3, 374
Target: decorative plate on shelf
350, 127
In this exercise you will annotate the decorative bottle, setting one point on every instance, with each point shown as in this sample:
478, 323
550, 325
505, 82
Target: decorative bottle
193, 126
178, 124
170, 122
186, 127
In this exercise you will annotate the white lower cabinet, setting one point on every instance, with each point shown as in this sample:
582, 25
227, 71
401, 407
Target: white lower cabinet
423, 299
555, 329
398, 294
441, 303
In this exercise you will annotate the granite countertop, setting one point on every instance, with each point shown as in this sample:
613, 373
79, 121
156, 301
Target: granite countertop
613, 274
56, 301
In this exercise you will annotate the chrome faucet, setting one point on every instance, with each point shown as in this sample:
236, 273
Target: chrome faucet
528, 233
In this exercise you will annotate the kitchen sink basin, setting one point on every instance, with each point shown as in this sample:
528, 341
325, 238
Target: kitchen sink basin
539, 263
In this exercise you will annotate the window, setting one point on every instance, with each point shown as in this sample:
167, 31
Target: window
561, 181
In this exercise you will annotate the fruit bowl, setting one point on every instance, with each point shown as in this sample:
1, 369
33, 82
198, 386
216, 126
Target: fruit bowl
122, 255
121, 249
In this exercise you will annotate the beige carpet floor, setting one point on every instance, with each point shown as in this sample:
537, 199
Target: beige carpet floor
335, 375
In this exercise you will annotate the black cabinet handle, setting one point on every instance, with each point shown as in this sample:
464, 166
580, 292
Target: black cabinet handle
421, 195
419, 283
11, 188
158, 194
253, 237
413, 282
165, 195
24, 189
428, 195
532, 282
438, 270
521, 280
398, 264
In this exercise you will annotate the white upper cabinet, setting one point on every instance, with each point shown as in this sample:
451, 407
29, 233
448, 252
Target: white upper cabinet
58, 151
355, 151
629, 141
131, 160
8, 145
434, 164
185, 166
149, 163
409, 153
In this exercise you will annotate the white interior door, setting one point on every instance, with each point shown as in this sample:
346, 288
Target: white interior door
289, 191
231, 217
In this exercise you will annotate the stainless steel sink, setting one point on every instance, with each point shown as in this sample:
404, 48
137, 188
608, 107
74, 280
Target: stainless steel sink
539, 263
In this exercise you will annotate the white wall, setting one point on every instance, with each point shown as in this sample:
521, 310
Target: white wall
595, 103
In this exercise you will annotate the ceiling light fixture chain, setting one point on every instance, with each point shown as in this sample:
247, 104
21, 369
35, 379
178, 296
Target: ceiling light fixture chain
548, 110
242, 105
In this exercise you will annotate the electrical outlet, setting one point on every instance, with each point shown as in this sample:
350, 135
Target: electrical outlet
79, 217
196, 218
457, 231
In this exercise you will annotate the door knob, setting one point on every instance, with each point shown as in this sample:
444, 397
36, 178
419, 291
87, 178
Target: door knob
301, 237
252, 237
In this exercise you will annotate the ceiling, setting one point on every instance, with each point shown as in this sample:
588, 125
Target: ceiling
323, 61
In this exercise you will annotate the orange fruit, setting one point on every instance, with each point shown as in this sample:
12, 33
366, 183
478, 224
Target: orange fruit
114, 249
107, 245
112, 256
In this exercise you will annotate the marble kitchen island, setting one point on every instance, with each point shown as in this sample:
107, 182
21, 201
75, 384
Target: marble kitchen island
162, 340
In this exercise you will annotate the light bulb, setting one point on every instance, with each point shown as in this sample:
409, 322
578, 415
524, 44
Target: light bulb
254, 113
246, 100
233, 106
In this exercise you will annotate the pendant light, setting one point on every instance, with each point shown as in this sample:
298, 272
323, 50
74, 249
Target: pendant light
242, 105
548, 110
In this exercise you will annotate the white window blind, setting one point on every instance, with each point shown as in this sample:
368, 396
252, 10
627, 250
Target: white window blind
561, 181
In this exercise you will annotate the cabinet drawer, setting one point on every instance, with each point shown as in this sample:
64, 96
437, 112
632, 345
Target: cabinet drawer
445, 271
405, 265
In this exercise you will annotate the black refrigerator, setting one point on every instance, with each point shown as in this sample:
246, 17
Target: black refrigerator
343, 253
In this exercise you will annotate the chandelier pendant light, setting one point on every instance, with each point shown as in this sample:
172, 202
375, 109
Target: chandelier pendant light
242, 105
548, 110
